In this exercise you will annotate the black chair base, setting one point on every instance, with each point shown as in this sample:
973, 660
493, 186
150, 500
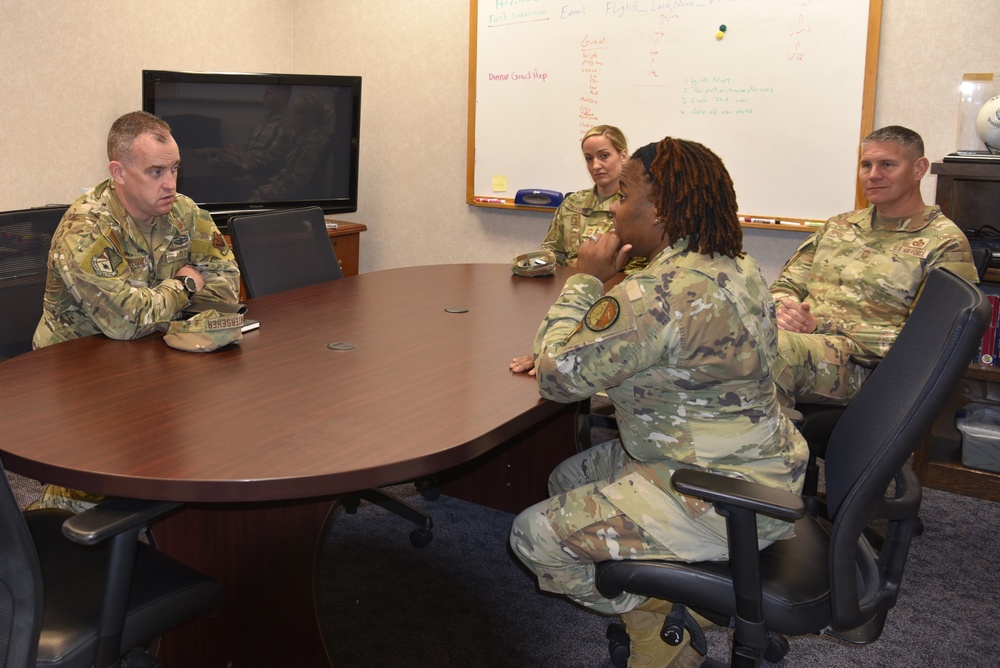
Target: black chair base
419, 537
140, 659
673, 626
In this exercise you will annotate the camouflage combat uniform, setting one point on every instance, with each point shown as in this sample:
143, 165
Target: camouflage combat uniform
268, 146
103, 278
684, 349
860, 281
580, 215
303, 162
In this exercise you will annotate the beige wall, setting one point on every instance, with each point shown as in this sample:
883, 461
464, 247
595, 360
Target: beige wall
414, 60
69, 68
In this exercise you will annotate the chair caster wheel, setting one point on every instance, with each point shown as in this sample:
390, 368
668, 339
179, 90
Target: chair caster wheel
420, 537
777, 648
618, 645
137, 658
429, 491
350, 504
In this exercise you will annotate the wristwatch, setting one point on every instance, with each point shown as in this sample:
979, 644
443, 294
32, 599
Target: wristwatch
189, 285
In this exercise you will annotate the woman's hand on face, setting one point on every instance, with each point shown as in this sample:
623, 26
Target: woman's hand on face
602, 256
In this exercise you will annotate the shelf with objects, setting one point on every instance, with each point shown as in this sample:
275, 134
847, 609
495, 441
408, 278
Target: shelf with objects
969, 194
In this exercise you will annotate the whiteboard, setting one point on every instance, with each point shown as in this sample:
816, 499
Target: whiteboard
783, 93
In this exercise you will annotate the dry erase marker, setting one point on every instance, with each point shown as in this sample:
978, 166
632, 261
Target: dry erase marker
769, 221
491, 200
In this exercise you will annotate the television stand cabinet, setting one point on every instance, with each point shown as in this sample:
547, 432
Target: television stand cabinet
346, 240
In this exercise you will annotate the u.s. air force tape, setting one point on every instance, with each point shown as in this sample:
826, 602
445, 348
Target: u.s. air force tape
204, 332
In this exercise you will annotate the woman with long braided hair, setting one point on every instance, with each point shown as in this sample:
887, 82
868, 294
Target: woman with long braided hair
684, 350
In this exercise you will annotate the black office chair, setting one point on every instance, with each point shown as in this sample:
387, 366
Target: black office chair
816, 421
832, 580
81, 590
25, 238
283, 250
286, 249
981, 258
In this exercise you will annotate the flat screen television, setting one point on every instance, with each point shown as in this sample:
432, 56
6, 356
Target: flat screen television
261, 142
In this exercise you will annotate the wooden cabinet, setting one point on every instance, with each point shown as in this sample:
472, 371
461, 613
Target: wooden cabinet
346, 240
938, 461
969, 194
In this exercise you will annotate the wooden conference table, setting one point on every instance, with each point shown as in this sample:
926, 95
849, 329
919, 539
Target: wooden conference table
259, 438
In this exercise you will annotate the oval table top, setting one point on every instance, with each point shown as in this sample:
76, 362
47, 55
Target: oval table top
283, 415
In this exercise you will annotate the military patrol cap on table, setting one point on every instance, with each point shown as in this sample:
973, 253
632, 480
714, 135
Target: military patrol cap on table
539, 263
204, 332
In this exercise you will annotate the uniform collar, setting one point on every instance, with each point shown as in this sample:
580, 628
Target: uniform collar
674, 249
109, 200
864, 218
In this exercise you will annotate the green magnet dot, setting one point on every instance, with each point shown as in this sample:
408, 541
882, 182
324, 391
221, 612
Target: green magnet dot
722, 28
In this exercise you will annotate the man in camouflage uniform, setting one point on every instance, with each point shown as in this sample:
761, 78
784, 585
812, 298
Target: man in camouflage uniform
684, 349
130, 254
850, 287
270, 140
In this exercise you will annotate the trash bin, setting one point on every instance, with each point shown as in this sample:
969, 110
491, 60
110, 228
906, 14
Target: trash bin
980, 428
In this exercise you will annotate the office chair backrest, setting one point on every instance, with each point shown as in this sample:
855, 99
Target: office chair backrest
879, 431
20, 584
981, 258
283, 250
25, 239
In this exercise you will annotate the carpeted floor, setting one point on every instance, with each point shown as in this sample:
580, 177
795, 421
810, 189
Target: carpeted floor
464, 601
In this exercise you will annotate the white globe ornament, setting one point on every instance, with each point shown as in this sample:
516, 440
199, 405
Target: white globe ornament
988, 124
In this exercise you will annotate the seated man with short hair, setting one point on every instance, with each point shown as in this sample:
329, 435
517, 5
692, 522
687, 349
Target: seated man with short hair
850, 287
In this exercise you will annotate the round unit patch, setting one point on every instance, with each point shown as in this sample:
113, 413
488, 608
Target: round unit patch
602, 314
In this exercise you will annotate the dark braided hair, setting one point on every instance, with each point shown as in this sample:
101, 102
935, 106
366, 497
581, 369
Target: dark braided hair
693, 195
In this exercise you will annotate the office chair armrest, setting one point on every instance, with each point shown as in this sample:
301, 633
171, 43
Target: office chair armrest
867, 361
908, 495
118, 521
112, 517
720, 489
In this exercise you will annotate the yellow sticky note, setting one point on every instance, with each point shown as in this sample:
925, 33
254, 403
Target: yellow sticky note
499, 184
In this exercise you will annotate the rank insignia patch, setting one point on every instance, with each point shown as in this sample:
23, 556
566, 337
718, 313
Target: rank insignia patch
219, 242
106, 264
602, 314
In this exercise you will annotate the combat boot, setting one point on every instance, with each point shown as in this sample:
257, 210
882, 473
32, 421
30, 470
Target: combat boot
663, 607
647, 649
